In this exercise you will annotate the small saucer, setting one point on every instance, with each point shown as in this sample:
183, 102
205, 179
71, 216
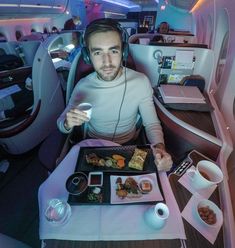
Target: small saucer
145, 185
187, 183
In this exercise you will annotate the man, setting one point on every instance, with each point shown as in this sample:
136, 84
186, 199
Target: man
72, 23
117, 94
163, 28
69, 56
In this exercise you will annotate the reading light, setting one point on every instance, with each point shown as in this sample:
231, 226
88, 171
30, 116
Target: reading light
44, 19
196, 6
35, 6
126, 4
9, 5
113, 13
58, 7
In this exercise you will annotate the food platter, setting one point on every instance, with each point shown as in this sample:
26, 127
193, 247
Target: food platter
107, 155
110, 169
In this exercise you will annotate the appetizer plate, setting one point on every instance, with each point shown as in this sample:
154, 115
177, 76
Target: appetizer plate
127, 189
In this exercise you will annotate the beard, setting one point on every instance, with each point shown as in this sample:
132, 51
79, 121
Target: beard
109, 73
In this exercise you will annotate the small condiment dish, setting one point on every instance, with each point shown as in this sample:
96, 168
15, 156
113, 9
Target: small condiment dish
145, 185
95, 178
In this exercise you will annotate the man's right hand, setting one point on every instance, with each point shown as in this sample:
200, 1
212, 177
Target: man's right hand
75, 117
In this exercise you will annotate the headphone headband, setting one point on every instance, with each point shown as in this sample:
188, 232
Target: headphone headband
104, 25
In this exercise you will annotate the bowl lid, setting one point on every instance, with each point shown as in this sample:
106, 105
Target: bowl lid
77, 183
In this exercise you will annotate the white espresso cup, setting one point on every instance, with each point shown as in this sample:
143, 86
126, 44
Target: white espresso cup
156, 215
205, 175
85, 107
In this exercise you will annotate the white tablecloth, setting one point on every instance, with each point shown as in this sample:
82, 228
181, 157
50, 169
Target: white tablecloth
103, 222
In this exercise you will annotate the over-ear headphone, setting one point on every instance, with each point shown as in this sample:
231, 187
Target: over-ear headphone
104, 25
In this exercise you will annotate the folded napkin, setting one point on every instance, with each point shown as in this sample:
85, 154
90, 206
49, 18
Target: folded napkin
187, 183
189, 214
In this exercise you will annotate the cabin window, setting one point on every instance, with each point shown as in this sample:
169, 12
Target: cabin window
202, 32
199, 30
2, 38
234, 108
222, 58
18, 34
209, 32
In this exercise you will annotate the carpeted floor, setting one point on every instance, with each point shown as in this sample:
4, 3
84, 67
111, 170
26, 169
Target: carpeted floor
18, 197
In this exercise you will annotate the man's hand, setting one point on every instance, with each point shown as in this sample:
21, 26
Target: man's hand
63, 54
163, 159
75, 117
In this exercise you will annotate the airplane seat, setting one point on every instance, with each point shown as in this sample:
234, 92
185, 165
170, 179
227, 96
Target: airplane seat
47, 106
29, 50
79, 69
142, 30
2, 51
10, 61
9, 242
35, 36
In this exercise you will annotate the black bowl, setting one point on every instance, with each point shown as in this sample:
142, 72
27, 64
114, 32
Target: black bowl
77, 183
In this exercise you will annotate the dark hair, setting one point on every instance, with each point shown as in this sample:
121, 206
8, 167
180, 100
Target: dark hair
69, 25
100, 26
158, 38
54, 29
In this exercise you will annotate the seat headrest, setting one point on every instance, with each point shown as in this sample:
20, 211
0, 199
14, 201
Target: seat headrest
9, 62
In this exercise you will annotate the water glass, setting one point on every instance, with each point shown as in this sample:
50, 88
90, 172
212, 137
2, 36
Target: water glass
57, 212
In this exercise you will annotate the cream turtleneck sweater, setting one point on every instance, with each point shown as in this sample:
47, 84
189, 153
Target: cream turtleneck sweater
106, 98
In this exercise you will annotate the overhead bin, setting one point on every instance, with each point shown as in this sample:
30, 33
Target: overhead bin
9, 6
33, 6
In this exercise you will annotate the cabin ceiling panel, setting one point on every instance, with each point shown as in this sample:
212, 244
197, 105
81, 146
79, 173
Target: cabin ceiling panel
183, 4
16, 9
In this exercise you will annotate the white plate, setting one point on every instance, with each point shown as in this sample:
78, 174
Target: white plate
154, 195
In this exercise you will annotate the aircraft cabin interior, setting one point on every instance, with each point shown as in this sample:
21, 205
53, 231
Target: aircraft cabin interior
66, 187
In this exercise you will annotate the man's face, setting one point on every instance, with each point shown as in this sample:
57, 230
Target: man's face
76, 20
106, 54
163, 28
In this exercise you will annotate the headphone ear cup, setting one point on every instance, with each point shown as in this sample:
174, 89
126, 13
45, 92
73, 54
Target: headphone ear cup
125, 51
85, 55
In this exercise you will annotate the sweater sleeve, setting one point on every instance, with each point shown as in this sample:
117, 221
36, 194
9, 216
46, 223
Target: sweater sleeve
71, 104
149, 116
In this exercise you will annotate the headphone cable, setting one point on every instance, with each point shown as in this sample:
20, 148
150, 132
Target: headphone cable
120, 108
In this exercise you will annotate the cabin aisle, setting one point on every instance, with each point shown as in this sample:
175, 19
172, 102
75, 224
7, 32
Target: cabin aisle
18, 198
